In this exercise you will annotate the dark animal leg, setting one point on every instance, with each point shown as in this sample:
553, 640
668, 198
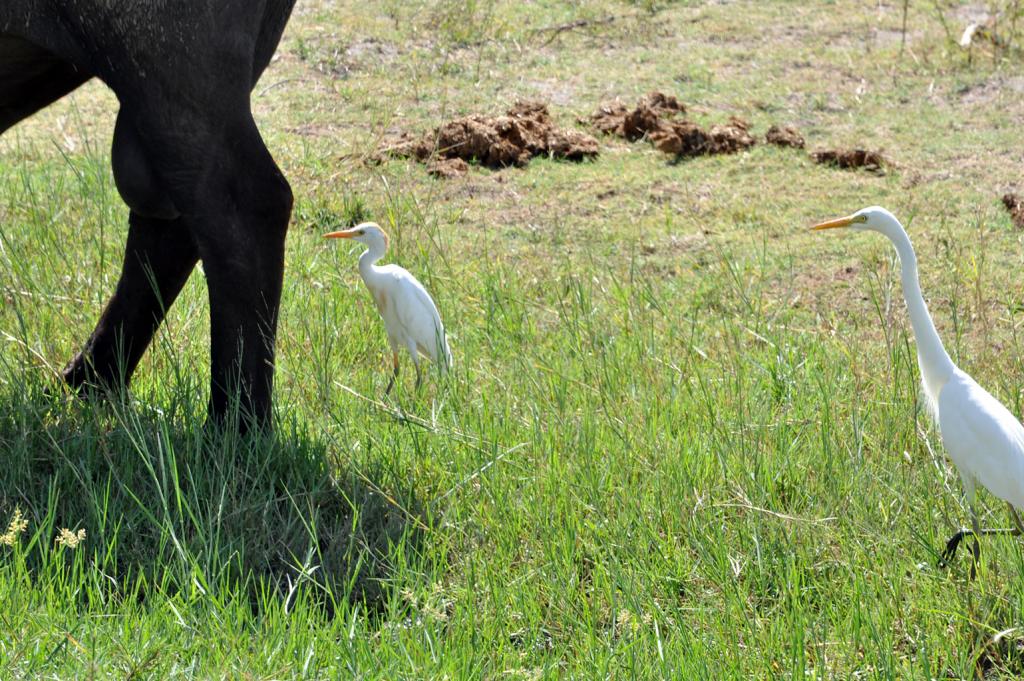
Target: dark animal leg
188, 152
976, 531
419, 376
239, 221
31, 77
394, 374
159, 257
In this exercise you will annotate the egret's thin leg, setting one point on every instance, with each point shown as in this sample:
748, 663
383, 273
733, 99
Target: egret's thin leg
394, 373
976, 545
419, 375
1016, 520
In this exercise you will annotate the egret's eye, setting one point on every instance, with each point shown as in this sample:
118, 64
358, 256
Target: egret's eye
362, 232
861, 218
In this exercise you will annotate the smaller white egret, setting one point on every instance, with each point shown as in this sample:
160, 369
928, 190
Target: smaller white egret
410, 316
981, 436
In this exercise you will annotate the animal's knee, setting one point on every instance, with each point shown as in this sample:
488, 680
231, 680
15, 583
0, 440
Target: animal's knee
275, 201
252, 187
231, 193
134, 176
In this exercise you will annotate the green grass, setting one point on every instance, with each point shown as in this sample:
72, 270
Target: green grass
682, 438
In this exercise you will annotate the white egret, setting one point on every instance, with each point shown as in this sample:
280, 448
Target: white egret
981, 436
410, 316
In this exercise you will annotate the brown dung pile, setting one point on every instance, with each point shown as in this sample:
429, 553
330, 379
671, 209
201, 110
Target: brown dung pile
784, 136
448, 168
871, 161
1015, 205
525, 131
651, 114
657, 117
685, 138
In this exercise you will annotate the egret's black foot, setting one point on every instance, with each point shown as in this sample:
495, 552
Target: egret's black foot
954, 543
951, 546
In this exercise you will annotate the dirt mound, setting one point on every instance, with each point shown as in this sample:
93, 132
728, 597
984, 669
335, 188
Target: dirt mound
784, 136
872, 161
652, 113
525, 131
1015, 205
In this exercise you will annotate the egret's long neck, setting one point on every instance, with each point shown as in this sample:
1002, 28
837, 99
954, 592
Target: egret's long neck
367, 267
936, 365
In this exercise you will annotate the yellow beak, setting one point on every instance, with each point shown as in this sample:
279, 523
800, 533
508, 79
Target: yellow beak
835, 224
343, 234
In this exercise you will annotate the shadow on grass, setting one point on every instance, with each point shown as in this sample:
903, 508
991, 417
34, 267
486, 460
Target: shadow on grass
171, 508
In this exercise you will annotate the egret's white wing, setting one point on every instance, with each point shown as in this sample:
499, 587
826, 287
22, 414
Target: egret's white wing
982, 437
416, 312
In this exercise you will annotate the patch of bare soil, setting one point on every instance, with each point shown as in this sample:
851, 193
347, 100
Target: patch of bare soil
871, 161
525, 131
784, 136
1015, 205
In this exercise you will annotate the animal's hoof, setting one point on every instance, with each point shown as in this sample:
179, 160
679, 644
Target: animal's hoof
81, 380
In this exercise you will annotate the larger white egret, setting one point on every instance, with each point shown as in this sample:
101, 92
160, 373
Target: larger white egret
981, 436
410, 317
